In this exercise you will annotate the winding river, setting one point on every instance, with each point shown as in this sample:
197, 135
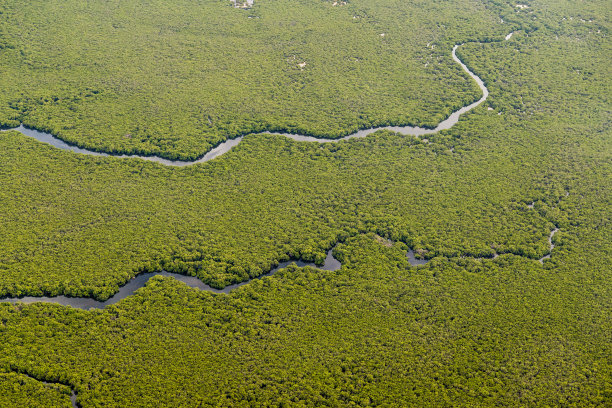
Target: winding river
73, 396
229, 144
330, 262
416, 261
550, 243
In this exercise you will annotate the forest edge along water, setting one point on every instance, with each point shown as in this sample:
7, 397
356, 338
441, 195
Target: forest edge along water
139, 281
226, 146
550, 243
330, 263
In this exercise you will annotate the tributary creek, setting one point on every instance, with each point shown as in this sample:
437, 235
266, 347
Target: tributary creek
330, 264
229, 144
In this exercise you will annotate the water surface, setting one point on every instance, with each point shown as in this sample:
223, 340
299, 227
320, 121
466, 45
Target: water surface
550, 243
330, 264
230, 143
412, 260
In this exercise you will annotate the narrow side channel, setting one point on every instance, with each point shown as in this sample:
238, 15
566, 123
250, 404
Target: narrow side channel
230, 143
550, 243
73, 395
330, 264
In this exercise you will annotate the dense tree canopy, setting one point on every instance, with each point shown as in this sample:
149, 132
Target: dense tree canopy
175, 78
464, 330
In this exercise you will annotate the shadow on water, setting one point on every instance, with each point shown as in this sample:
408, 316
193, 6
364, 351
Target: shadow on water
415, 261
330, 264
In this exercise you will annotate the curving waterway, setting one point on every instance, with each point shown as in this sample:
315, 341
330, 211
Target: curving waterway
330, 264
413, 260
551, 245
229, 144
73, 396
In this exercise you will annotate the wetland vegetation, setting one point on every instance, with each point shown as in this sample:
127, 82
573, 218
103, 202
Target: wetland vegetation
169, 79
464, 329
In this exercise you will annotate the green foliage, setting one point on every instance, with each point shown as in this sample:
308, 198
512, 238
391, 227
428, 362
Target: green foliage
82, 226
376, 332
18, 391
176, 78
459, 331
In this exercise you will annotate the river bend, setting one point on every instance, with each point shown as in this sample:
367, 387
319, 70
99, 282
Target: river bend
229, 144
330, 264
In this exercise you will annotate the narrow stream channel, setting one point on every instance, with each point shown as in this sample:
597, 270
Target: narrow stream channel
139, 281
73, 396
229, 144
330, 262
550, 243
